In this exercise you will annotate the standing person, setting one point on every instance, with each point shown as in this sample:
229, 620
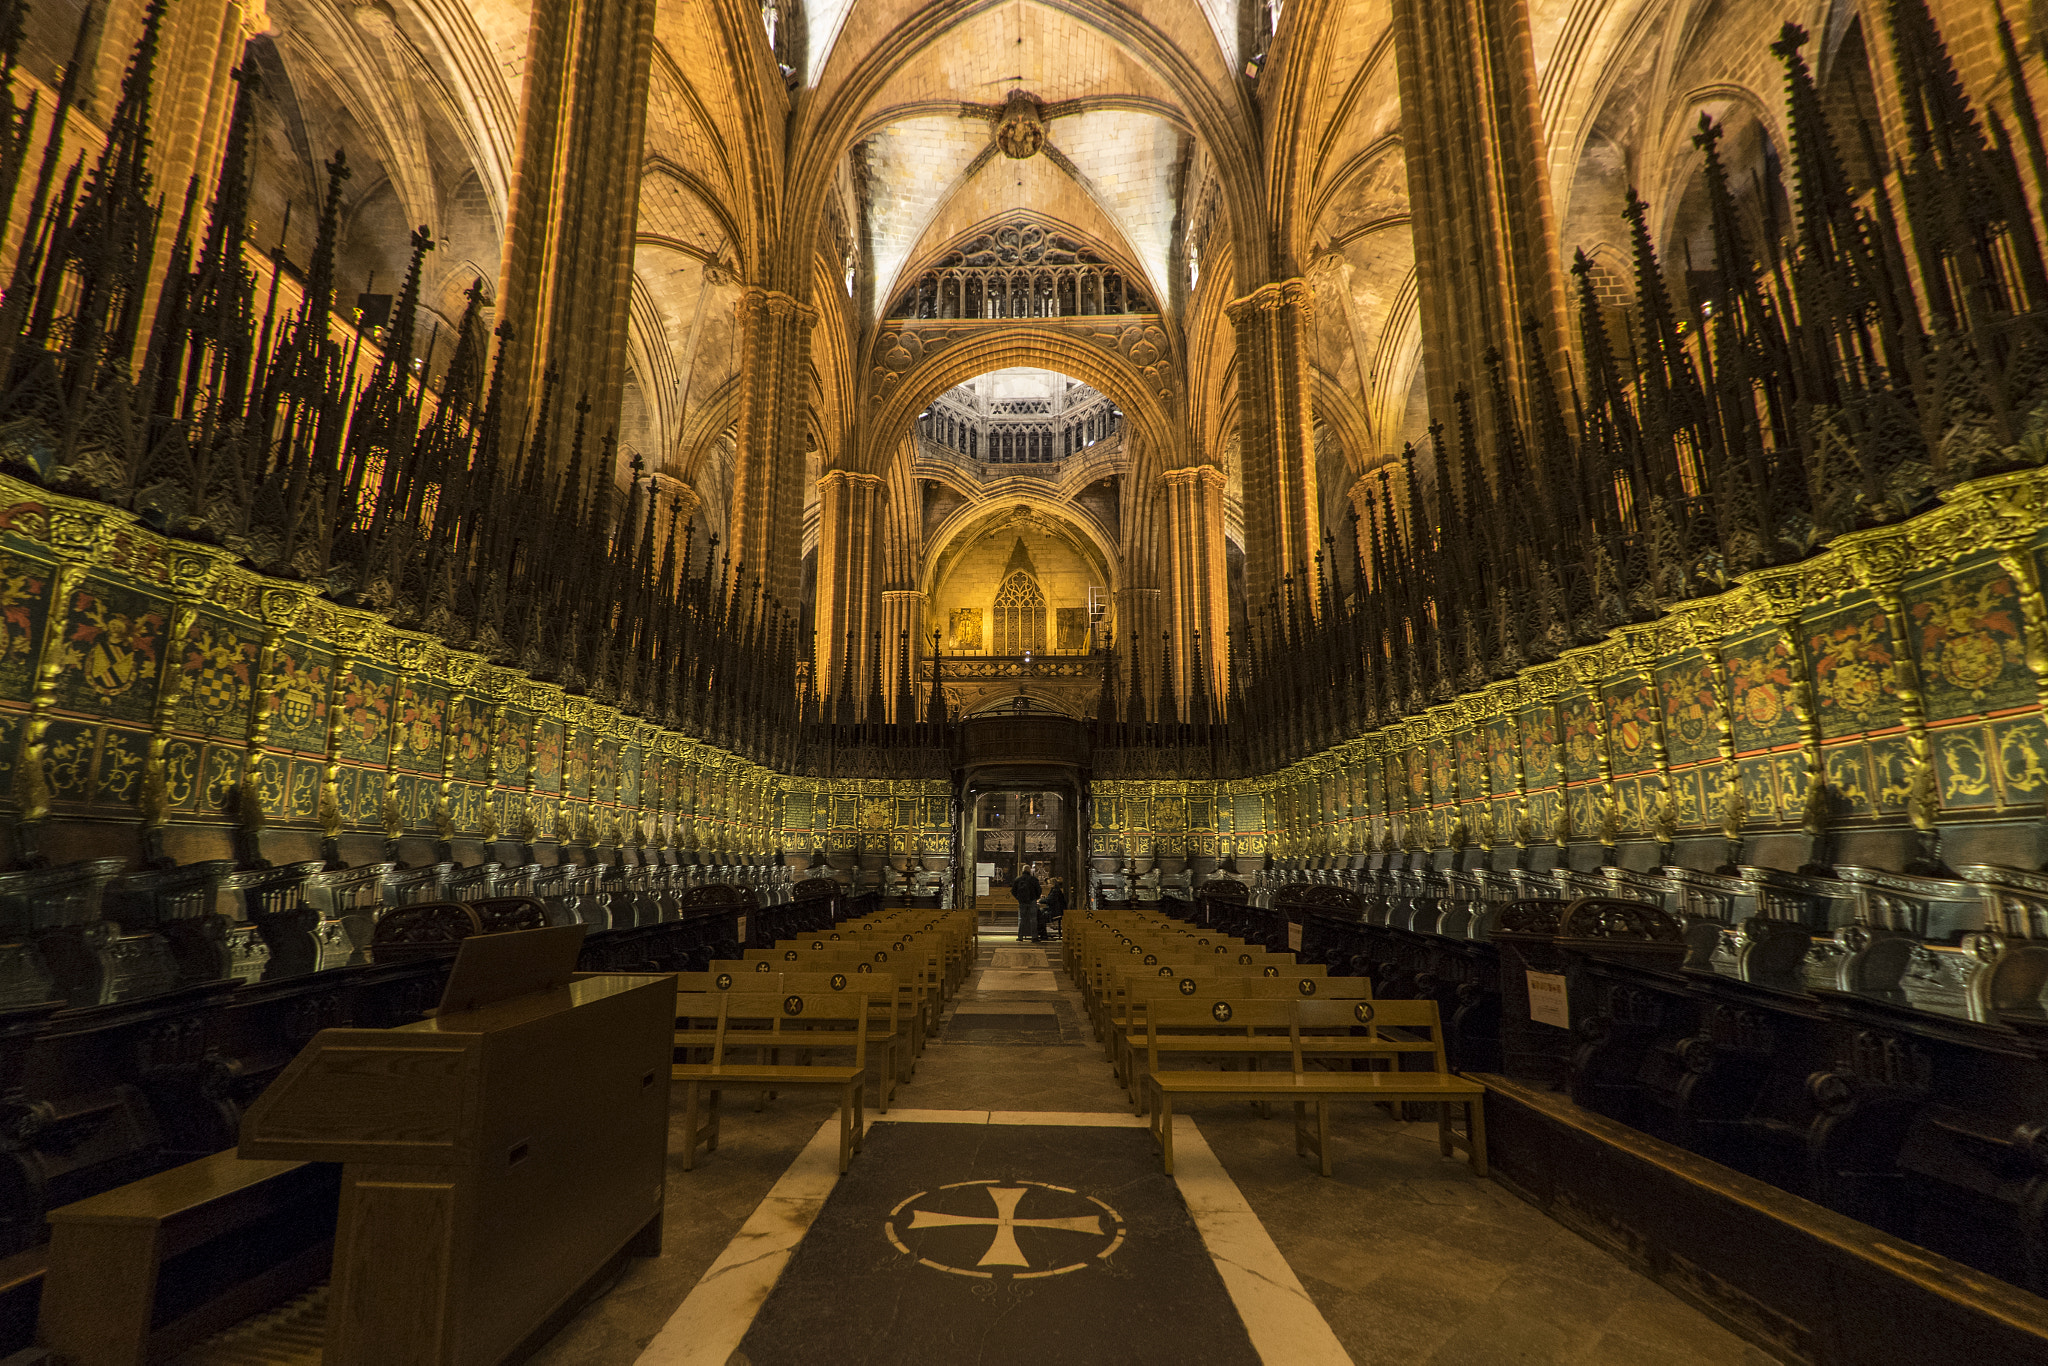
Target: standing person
1025, 889
1052, 908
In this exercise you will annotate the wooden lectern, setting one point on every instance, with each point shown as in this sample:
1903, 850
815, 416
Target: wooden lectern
496, 1159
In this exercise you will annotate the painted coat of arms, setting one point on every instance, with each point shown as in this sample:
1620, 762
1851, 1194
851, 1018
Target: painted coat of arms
111, 650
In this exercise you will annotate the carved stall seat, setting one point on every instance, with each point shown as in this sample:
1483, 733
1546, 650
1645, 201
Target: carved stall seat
409, 932
349, 901
57, 946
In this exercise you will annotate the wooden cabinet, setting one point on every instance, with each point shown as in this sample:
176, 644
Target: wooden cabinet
495, 1162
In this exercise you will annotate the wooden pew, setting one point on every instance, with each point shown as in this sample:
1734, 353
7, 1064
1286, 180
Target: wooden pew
767, 1015
889, 1012
1306, 1085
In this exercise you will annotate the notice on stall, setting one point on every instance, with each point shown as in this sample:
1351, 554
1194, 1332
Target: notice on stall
742, 931
1294, 936
1547, 1003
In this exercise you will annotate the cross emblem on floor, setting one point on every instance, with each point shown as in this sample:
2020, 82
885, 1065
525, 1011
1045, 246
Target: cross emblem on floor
1003, 1250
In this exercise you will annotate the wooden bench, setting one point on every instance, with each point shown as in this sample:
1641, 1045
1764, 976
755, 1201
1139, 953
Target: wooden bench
889, 1012
141, 1272
1133, 1034
763, 1018
1306, 1085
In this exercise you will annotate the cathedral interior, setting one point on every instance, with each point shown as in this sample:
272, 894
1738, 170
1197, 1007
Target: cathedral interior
755, 676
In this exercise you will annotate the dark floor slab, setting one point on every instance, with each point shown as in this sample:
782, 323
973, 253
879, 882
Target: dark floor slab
910, 1259
1032, 1027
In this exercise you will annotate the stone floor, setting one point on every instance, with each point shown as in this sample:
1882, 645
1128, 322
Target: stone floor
1408, 1256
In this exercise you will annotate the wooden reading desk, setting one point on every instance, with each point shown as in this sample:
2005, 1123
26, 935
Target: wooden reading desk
495, 1162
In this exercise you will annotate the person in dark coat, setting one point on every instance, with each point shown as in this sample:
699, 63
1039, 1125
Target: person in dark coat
1051, 907
1025, 889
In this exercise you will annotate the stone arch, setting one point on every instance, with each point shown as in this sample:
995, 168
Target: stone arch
934, 359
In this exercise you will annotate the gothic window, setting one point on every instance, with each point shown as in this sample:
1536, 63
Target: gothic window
1020, 616
1021, 271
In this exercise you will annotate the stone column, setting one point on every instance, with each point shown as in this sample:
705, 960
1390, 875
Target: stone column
1138, 623
1281, 524
673, 492
849, 581
902, 614
567, 270
1486, 251
1195, 565
768, 469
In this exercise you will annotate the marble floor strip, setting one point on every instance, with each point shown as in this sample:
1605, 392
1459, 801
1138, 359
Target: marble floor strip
706, 1329
1284, 1323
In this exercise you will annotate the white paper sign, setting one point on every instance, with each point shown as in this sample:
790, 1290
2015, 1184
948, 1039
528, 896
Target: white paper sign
1294, 936
743, 929
984, 870
1547, 1003
981, 884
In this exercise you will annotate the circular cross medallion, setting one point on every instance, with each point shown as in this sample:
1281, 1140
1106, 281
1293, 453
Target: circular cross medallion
995, 1230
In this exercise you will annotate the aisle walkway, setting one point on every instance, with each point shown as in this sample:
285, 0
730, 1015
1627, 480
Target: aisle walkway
1013, 1128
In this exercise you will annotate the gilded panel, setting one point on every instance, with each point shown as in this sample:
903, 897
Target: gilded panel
111, 649
69, 748
1582, 740
1692, 713
1850, 652
796, 809
1849, 780
576, 764
467, 804
366, 714
469, 738
547, 756
1966, 633
1539, 747
604, 768
1891, 772
117, 781
302, 791
1758, 790
10, 746
1441, 774
2022, 747
631, 756
419, 725
218, 657
1690, 791
1501, 743
1631, 726
181, 775
1248, 813
1761, 691
515, 745
271, 772
220, 771
1471, 763
298, 703
1963, 763
24, 606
